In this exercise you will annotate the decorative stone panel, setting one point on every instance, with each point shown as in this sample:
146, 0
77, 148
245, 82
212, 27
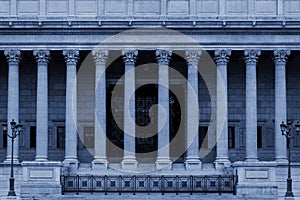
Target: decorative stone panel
205, 7
146, 7
236, 7
57, 7
86, 7
28, 7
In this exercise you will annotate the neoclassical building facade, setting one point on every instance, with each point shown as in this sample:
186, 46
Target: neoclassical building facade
212, 81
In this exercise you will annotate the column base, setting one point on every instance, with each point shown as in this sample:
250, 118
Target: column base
129, 163
15, 161
71, 165
163, 163
99, 164
41, 159
251, 160
281, 160
193, 163
221, 163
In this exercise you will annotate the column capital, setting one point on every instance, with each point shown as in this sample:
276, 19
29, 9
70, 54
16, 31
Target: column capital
71, 56
222, 56
42, 55
100, 56
163, 56
281, 55
251, 56
192, 56
129, 56
13, 56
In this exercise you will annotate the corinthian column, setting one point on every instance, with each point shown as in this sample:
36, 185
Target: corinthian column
163, 155
71, 58
129, 160
100, 159
13, 59
280, 57
192, 160
222, 58
251, 58
42, 57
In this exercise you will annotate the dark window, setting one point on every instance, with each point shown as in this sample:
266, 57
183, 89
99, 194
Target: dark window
4, 136
202, 134
259, 137
60, 140
32, 136
88, 137
231, 137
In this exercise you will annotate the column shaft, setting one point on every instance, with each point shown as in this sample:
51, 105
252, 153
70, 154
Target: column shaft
163, 155
13, 58
222, 58
129, 160
251, 57
42, 105
71, 57
280, 103
100, 159
192, 119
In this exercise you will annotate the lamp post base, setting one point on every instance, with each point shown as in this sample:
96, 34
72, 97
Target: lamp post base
289, 192
11, 191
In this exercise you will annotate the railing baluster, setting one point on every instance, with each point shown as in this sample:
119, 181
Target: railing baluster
105, 185
148, 184
77, 184
177, 185
92, 184
134, 184
219, 184
191, 185
162, 185
120, 184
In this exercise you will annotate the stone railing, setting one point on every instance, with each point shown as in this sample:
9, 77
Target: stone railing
149, 9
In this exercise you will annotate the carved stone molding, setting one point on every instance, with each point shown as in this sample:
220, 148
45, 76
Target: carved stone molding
163, 56
129, 56
280, 56
222, 56
42, 55
71, 56
100, 56
13, 56
251, 56
192, 56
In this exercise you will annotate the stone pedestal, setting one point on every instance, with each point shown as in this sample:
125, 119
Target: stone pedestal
256, 179
41, 179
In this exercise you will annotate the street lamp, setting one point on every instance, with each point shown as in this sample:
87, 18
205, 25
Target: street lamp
16, 129
286, 130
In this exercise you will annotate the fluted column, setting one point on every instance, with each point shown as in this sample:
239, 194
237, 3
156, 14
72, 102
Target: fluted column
280, 57
100, 159
222, 58
42, 57
251, 58
71, 58
129, 160
13, 59
192, 160
163, 154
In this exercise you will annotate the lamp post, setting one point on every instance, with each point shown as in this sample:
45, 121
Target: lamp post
286, 130
16, 129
